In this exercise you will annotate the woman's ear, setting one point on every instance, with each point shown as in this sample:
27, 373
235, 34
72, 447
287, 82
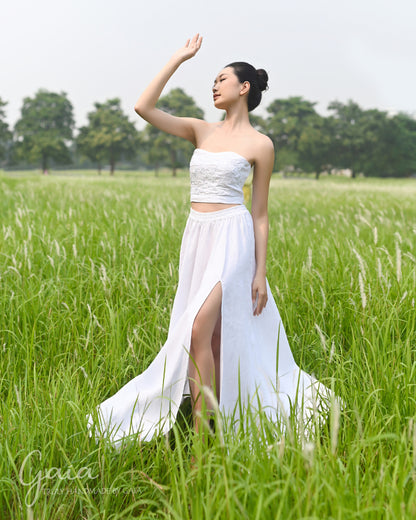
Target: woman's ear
245, 87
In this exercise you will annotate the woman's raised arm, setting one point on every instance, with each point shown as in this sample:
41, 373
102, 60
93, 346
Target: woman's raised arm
146, 104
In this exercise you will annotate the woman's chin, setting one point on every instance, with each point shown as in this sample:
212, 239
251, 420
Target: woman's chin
219, 105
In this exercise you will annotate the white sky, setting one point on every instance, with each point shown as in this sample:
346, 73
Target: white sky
323, 50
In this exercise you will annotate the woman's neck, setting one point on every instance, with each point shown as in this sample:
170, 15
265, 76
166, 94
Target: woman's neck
235, 118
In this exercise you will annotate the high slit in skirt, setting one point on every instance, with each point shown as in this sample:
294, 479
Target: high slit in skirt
256, 362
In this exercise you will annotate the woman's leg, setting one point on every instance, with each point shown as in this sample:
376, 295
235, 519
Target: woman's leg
201, 363
216, 352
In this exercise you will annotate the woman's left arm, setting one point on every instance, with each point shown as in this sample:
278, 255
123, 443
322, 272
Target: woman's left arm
263, 169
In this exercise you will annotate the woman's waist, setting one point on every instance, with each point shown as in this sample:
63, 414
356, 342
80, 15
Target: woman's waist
207, 207
213, 211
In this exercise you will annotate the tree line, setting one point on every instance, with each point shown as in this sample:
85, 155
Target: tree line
369, 142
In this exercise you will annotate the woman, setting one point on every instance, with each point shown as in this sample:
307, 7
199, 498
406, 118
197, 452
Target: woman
225, 329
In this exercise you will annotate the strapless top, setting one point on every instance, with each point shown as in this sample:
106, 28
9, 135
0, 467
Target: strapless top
218, 176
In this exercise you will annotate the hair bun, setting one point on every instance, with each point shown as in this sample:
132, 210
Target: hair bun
262, 79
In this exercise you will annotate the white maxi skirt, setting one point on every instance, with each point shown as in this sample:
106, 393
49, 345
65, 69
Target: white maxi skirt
256, 364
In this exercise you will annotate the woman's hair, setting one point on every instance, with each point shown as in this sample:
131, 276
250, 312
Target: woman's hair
257, 78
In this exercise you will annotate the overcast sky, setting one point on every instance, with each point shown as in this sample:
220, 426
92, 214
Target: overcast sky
93, 50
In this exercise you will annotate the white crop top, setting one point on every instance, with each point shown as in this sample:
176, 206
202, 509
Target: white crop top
218, 176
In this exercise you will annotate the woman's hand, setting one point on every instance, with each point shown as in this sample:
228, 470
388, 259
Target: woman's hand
259, 293
190, 48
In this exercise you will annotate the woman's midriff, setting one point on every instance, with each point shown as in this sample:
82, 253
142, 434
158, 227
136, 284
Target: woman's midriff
205, 207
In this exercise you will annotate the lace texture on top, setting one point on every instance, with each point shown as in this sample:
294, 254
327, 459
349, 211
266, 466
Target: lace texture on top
218, 176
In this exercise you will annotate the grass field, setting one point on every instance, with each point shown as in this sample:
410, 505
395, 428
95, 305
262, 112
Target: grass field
88, 270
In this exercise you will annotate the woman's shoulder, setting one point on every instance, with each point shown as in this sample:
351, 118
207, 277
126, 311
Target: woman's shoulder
262, 143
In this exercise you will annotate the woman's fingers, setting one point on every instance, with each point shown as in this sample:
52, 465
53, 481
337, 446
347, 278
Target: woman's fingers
260, 298
195, 39
196, 43
263, 301
261, 304
190, 48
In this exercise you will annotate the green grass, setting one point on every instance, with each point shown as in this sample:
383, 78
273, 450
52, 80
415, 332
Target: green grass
88, 271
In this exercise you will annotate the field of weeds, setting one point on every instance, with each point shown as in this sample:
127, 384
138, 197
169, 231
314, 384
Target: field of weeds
88, 271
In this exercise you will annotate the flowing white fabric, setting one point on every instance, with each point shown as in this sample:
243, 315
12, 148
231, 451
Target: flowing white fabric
216, 247
257, 365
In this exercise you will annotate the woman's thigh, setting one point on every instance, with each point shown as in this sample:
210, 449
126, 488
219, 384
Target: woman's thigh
208, 316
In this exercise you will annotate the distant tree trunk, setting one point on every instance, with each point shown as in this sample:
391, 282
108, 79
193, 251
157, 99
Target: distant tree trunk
156, 169
318, 171
173, 158
44, 164
352, 173
112, 166
99, 168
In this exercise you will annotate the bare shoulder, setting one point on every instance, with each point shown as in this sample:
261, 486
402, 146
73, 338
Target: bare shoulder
263, 148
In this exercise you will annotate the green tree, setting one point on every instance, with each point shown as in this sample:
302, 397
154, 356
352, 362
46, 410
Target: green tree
287, 119
167, 149
375, 129
87, 145
371, 142
109, 135
402, 146
349, 139
390, 144
45, 127
5, 134
154, 143
314, 145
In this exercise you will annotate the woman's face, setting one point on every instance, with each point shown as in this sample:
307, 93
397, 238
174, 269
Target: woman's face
226, 89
